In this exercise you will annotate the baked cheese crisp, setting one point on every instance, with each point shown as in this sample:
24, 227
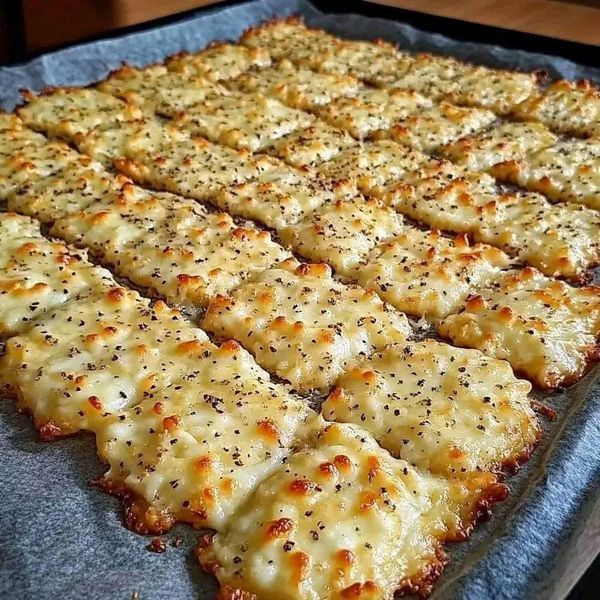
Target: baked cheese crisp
425, 274
303, 325
93, 357
281, 196
177, 249
291, 39
196, 449
443, 123
78, 185
69, 112
295, 86
156, 88
569, 170
497, 89
508, 141
38, 275
250, 121
165, 158
441, 408
545, 328
218, 61
311, 146
566, 107
370, 110
27, 161
343, 233
344, 520
374, 166
431, 75
558, 239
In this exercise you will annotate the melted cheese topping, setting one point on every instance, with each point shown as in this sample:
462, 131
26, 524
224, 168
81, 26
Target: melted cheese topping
296, 86
438, 407
545, 328
251, 121
496, 89
166, 158
425, 274
37, 276
508, 141
280, 197
311, 146
157, 88
565, 106
73, 188
303, 325
570, 171
343, 233
443, 123
374, 61
219, 61
28, 162
10, 122
178, 249
94, 357
374, 166
559, 239
291, 39
431, 75
195, 450
69, 112
371, 109
343, 520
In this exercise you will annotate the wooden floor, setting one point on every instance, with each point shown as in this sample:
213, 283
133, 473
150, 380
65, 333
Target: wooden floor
571, 21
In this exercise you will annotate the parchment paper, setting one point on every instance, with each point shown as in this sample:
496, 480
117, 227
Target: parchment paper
59, 538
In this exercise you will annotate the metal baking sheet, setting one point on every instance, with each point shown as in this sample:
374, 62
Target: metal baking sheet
60, 538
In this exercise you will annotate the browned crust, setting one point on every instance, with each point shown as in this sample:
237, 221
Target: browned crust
271, 23
422, 584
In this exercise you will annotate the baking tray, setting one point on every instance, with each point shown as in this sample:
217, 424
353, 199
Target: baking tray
59, 538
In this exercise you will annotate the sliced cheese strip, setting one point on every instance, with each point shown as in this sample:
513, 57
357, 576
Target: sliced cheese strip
440, 408
166, 158
508, 141
425, 274
431, 75
443, 123
94, 357
569, 170
195, 450
343, 233
27, 160
371, 61
566, 107
303, 325
374, 166
155, 87
289, 38
311, 146
344, 520
70, 112
219, 61
497, 89
79, 184
545, 328
37, 275
176, 248
370, 109
251, 121
296, 86
280, 197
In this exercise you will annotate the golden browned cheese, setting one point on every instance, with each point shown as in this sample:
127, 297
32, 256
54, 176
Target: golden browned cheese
343, 519
545, 328
438, 407
303, 325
